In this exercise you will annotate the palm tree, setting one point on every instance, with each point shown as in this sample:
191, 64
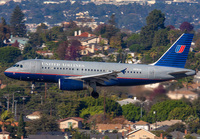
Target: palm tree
6, 117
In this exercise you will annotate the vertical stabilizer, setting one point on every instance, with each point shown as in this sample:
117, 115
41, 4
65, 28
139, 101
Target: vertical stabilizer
177, 54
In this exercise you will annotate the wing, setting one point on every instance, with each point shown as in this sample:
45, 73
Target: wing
99, 78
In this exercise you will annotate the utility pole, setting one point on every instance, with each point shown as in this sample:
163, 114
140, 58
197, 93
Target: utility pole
104, 106
7, 97
45, 96
16, 109
14, 100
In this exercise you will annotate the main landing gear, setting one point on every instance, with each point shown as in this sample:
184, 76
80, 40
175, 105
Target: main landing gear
94, 93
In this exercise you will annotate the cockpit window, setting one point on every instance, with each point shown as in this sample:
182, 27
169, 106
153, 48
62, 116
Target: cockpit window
18, 65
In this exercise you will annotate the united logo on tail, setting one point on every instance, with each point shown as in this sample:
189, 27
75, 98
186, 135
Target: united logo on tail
180, 48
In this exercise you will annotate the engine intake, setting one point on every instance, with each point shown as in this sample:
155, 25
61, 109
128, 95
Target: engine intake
71, 85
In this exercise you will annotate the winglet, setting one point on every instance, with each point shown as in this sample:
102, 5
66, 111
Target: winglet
124, 70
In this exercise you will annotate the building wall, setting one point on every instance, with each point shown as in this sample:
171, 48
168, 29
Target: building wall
6, 136
141, 134
146, 127
67, 123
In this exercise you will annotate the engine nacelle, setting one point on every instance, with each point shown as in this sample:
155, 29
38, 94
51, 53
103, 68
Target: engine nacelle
71, 85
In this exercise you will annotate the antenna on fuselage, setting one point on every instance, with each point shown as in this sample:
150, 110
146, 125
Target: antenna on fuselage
36, 58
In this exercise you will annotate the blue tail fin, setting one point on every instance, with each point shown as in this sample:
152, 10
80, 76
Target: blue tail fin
177, 54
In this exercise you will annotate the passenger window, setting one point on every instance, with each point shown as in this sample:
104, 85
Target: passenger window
77, 69
69, 68
72, 68
94, 69
88, 69
91, 69
85, 69
97, 70
21, 66
54, 67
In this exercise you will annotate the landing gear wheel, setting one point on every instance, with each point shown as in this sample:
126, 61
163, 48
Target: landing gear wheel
95, 94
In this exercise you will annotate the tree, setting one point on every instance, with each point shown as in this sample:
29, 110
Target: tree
17, 23
160, 38
44, 124
21, 127
72, 52
9, 54
163, 109
155, 21
187, 27
6, 117
131, 112
4, 32
62, 49
177, 127
112, 20
156, 18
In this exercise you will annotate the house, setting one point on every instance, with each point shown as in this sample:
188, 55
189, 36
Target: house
45, 53
22, 41
128, 101
141, 125
89, 42
50, 135
109, 135
75, 122
5, 135
178, 94
141, 134
109, 127
33, 116
177, 135
166, 123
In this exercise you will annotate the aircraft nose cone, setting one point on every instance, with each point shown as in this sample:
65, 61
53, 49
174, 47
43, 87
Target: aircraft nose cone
7, 72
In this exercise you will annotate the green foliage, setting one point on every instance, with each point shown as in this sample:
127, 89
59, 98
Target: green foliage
161, 38
112, 108
46, 123
87, 58
78, 135
163, 109
131, 112
21, 127
9, 54
90, 111
156, 18
181, 113
188, 136
17, 23
177, 127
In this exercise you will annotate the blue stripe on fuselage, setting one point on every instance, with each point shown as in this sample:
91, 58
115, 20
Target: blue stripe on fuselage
40, 77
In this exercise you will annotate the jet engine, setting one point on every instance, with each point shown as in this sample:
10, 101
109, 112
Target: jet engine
71, 85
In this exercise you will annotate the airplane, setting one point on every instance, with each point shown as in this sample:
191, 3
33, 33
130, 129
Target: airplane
79, 75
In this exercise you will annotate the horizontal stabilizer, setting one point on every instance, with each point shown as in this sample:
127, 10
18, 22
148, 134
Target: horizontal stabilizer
178, 72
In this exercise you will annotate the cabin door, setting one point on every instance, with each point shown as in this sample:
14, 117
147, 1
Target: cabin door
33, 66
151, 73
